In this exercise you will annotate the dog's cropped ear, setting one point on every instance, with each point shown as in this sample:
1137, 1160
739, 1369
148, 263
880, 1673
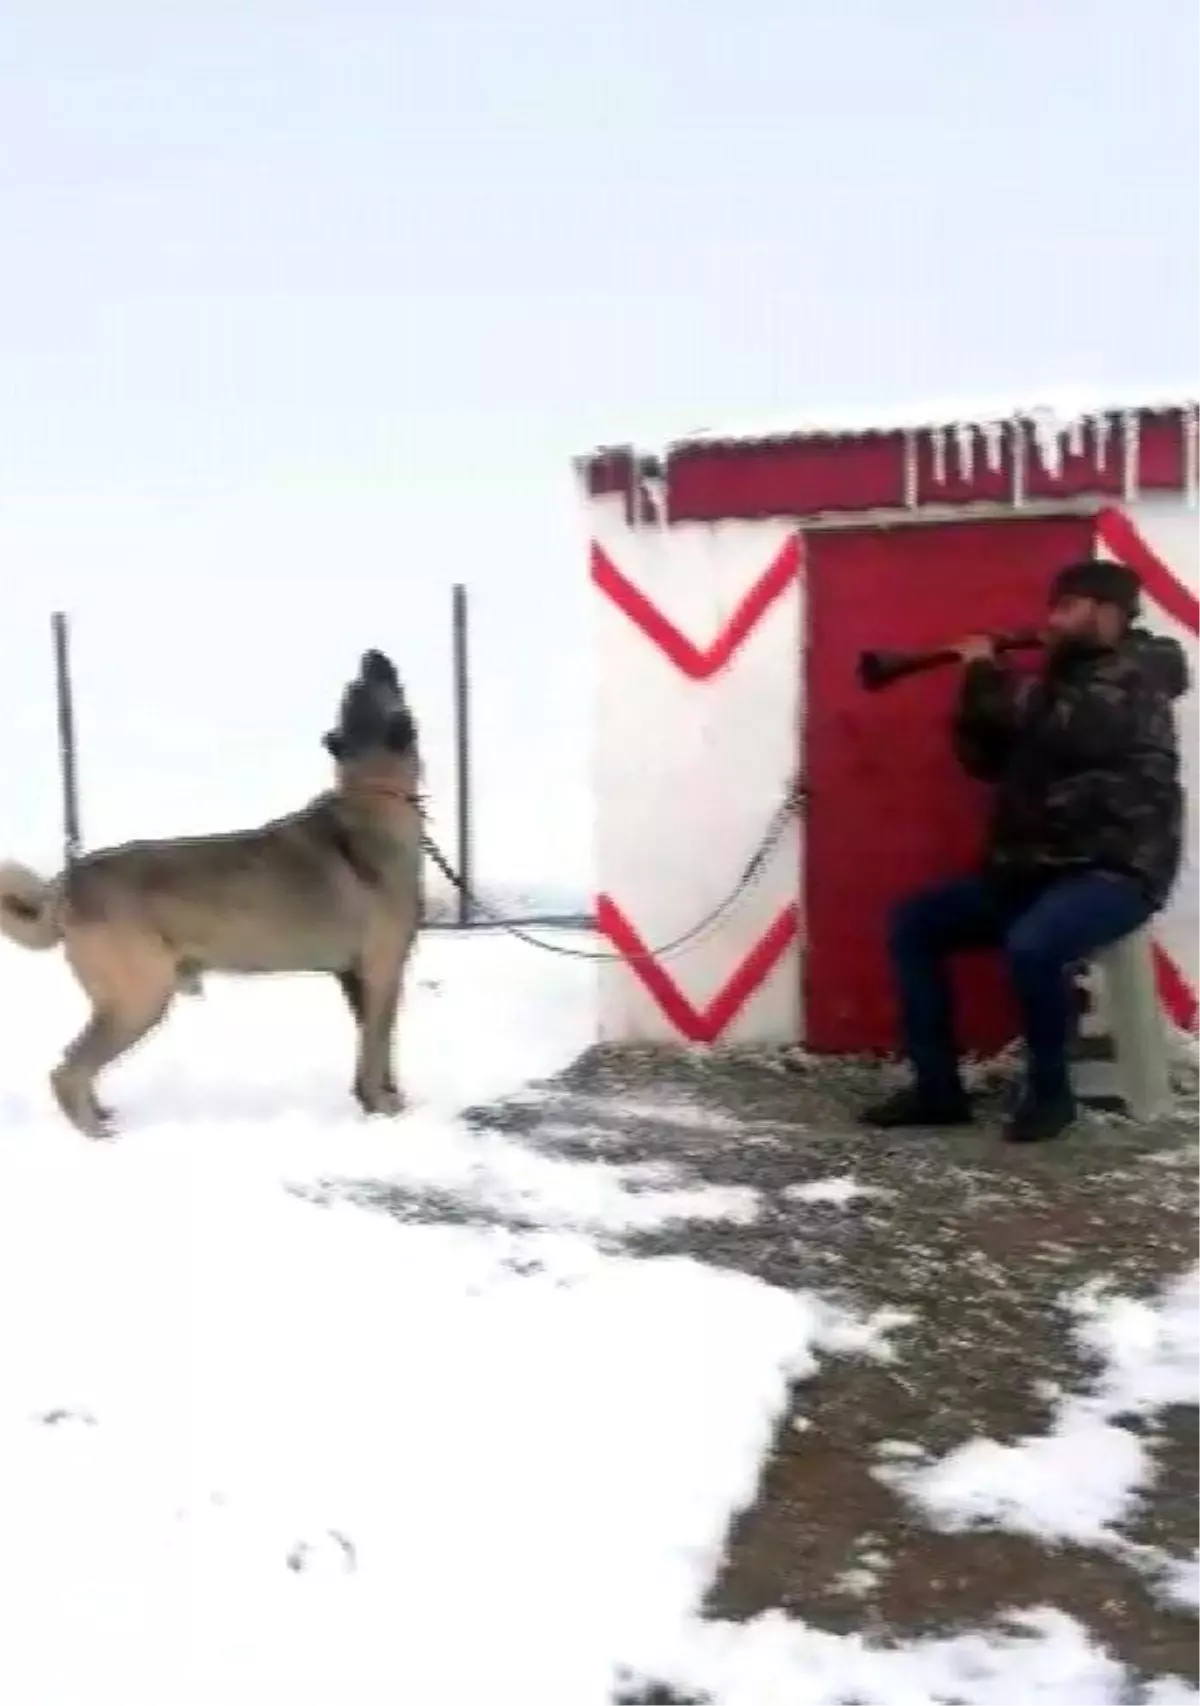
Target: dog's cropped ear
378, 670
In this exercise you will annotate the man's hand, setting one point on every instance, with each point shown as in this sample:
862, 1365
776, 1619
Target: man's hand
976, 648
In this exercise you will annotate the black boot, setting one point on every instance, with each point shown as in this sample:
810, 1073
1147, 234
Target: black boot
912, 1106
1040, 1119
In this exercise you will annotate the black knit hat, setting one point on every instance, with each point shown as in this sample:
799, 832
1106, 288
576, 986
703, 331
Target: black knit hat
1098, 578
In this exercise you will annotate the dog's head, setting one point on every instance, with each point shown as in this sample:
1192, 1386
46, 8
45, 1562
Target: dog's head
374, 720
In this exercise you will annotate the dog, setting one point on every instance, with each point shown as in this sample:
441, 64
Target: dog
334, 888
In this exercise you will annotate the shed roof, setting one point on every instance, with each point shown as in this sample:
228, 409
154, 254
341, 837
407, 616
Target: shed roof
1056, 411
998, 454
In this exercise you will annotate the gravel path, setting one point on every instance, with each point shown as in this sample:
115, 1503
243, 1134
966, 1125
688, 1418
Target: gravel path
980, 1242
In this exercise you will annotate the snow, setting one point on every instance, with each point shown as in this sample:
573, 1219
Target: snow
957, 432
1079, 1480
1072, 1483
839, 1191
1042, 1656
1057, 413
1169, 1691
1180, 1585
257, 1442
261, 1442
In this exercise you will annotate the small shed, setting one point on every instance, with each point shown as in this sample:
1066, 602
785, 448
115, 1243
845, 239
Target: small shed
736, 582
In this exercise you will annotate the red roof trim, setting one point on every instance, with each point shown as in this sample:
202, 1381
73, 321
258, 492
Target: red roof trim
1118, 453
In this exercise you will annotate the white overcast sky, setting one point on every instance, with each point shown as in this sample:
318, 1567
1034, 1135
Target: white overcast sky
303, 309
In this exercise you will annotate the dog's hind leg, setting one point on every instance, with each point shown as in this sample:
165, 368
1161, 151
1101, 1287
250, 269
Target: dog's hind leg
351, 985
130, 991
73, 1077
106, 1036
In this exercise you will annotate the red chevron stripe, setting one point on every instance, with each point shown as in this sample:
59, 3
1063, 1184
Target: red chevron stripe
1175, 992
687, 657
698, 1024
1161, 583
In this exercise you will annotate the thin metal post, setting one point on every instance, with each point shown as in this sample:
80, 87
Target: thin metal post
462, 753
72, 840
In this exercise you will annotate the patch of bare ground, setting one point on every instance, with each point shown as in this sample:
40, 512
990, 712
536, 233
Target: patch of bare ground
981, 1242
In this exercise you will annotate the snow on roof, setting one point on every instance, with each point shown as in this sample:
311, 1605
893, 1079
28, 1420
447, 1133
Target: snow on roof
1053, 417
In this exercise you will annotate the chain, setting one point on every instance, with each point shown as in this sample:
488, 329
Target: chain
793, 802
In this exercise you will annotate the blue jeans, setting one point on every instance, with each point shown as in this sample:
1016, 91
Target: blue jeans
1042, 930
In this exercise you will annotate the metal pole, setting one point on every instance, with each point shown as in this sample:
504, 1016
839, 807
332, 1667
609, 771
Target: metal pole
72, 841
462, 753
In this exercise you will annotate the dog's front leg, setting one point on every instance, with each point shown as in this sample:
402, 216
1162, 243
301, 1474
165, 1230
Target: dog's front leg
374, 1084
351, 985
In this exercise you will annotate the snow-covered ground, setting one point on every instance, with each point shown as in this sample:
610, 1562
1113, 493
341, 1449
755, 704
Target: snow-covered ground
1080, 1479
259, 1447
259, 1443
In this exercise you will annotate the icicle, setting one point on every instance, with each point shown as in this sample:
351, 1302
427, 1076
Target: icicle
937, 446
1130, 424
993, 445
964, 446
911, 480
1020, 451
1047, 440
633, 490
1191, 455
1102, 432
654, 487
1075, 438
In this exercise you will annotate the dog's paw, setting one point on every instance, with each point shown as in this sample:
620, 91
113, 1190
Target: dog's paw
384, 1103
389, 1103
100, 1125
83, 1111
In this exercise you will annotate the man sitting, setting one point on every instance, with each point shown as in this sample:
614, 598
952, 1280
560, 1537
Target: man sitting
1084, 846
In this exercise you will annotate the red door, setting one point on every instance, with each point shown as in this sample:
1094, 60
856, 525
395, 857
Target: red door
889, 809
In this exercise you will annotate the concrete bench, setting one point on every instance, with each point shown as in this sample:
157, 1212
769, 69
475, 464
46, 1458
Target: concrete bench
1121, 1058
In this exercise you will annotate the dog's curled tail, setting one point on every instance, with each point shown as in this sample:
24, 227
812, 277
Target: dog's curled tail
28, 908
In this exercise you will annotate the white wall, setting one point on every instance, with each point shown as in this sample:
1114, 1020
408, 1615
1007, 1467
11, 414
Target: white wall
688, 772
1169, 527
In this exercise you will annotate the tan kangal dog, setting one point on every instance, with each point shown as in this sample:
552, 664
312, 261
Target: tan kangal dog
333, 888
